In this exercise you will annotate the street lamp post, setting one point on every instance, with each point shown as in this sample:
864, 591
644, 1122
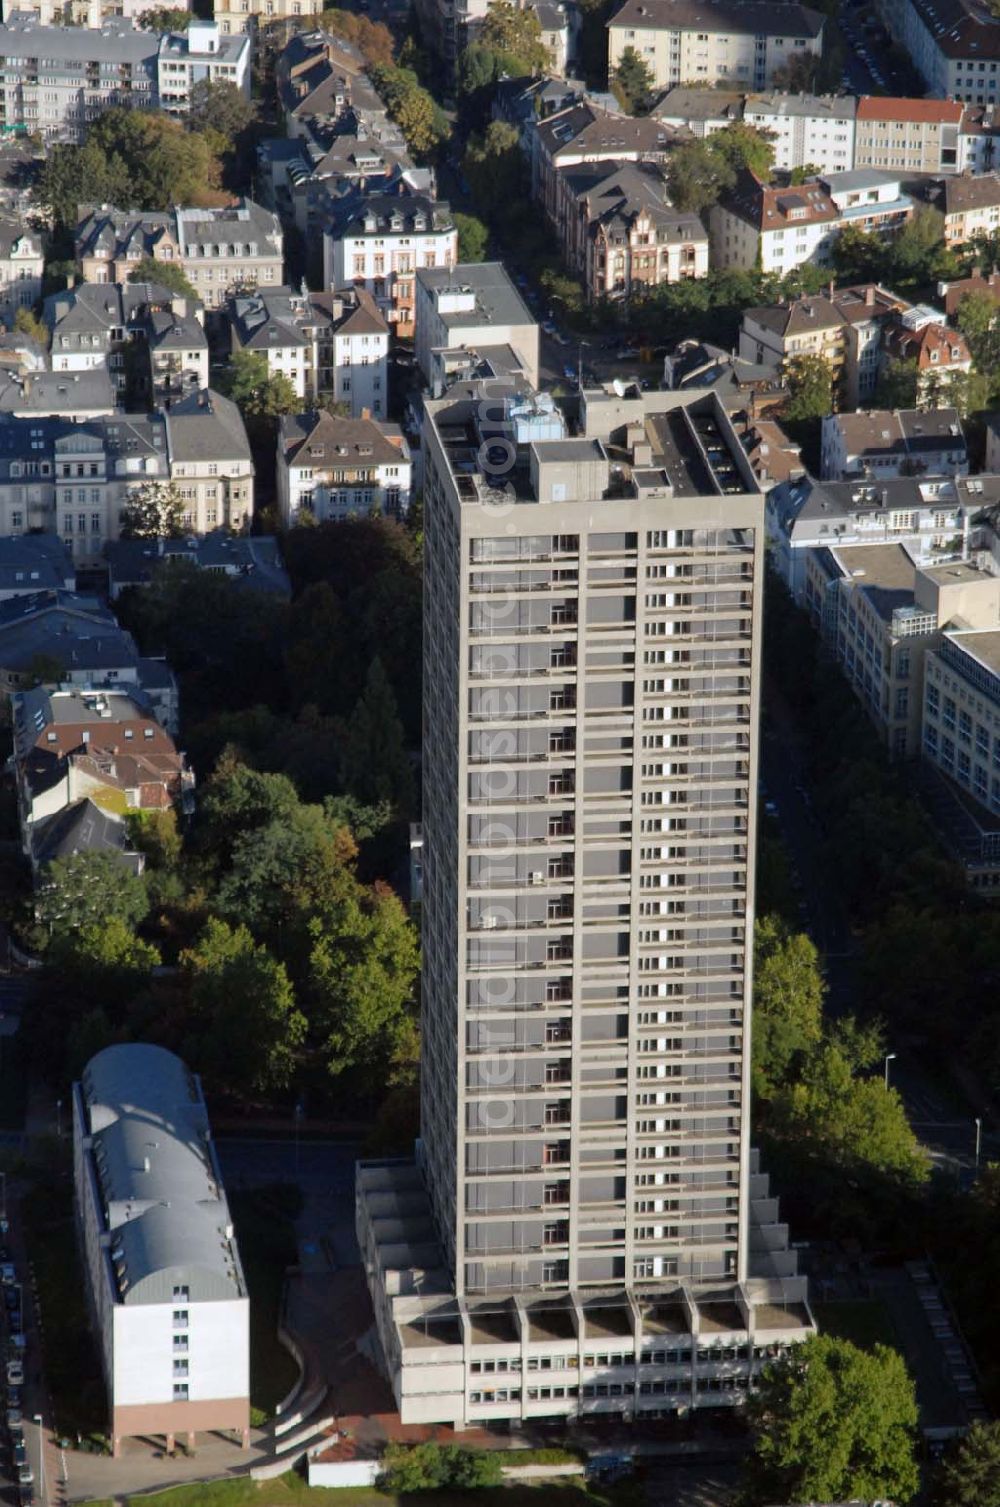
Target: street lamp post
979, 1140
889, 1057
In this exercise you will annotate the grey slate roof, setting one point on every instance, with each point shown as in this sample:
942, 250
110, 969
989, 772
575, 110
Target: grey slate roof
159, 1178
319, 439
251, 560
205, 426
745, 17
34, 562
81, 828
52, 394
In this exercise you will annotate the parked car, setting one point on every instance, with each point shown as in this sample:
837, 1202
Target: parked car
19, 1453
15, 1373
25, 1475
14, 1397
14, 1417
8, 1275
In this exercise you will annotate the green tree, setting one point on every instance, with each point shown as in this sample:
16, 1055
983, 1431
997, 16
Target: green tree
28, 323
480, 67
153, 511
859, 256
362, 973
106, 961
633, 82
916, 252
169, 275
971, 1476
473, 238
165, 163
743, 146
833, 1423
898, 384
696, 176
74, 175
494, 165
86, 889
810, 388
854, 1123
414, 110
164, 18
258, 393
244, 1029
375, 765
220, 106
236, 800
280, 873
155, 835
510, 29
787, 1002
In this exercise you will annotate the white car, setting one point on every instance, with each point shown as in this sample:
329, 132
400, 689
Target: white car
15, 1373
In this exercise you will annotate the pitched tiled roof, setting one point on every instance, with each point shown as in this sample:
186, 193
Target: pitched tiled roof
945, 112
745, 17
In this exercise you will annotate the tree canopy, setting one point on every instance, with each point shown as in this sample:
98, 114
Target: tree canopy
164, 18
415, 111
633, 82
473, 238
787, 1002
517, 32
697, 175
169, 275
810, 388
153, 511
373, 39
87, 889
143, 158
221, 106
971, 1476
258, 393
833, 1423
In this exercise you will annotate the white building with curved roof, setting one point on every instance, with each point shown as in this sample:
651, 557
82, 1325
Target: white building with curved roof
168, 1294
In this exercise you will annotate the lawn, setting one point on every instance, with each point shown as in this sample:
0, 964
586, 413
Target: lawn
72, 1363
265, 1235
292, 1490
864, 1322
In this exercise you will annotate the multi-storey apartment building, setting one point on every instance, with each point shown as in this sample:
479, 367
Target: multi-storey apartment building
961, 725
779, 229
935, 350
89, 13
909, 135
806, 129
143, 334
222, 251
971, 206
338, 468
579, 1235
55, 80
327, 344
710, 42
846, 328
21, 264
202, 54
166, 1285
235, 16
931, 516
624, 238
905, 442
210, 462
955, 44
382, 241
585, 133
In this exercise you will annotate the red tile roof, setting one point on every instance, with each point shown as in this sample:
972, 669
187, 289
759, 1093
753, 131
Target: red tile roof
918, 111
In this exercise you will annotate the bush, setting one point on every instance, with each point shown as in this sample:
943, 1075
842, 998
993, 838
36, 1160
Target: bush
430, 1467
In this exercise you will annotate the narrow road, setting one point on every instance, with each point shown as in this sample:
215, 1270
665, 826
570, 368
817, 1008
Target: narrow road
938, 1113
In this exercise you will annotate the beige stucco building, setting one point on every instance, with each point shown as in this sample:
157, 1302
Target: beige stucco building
714, 41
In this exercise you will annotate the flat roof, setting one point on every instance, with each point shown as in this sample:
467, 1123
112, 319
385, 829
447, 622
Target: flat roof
982, 644
497, 299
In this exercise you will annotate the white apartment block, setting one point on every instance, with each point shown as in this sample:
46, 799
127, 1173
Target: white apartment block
382, 244
332, 345
341, 468
955, 45
961, 715
167, 1292
806, 129
585, 1230
236, 16
776, 229
56, 80
89, 13
709, 42
202, 54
